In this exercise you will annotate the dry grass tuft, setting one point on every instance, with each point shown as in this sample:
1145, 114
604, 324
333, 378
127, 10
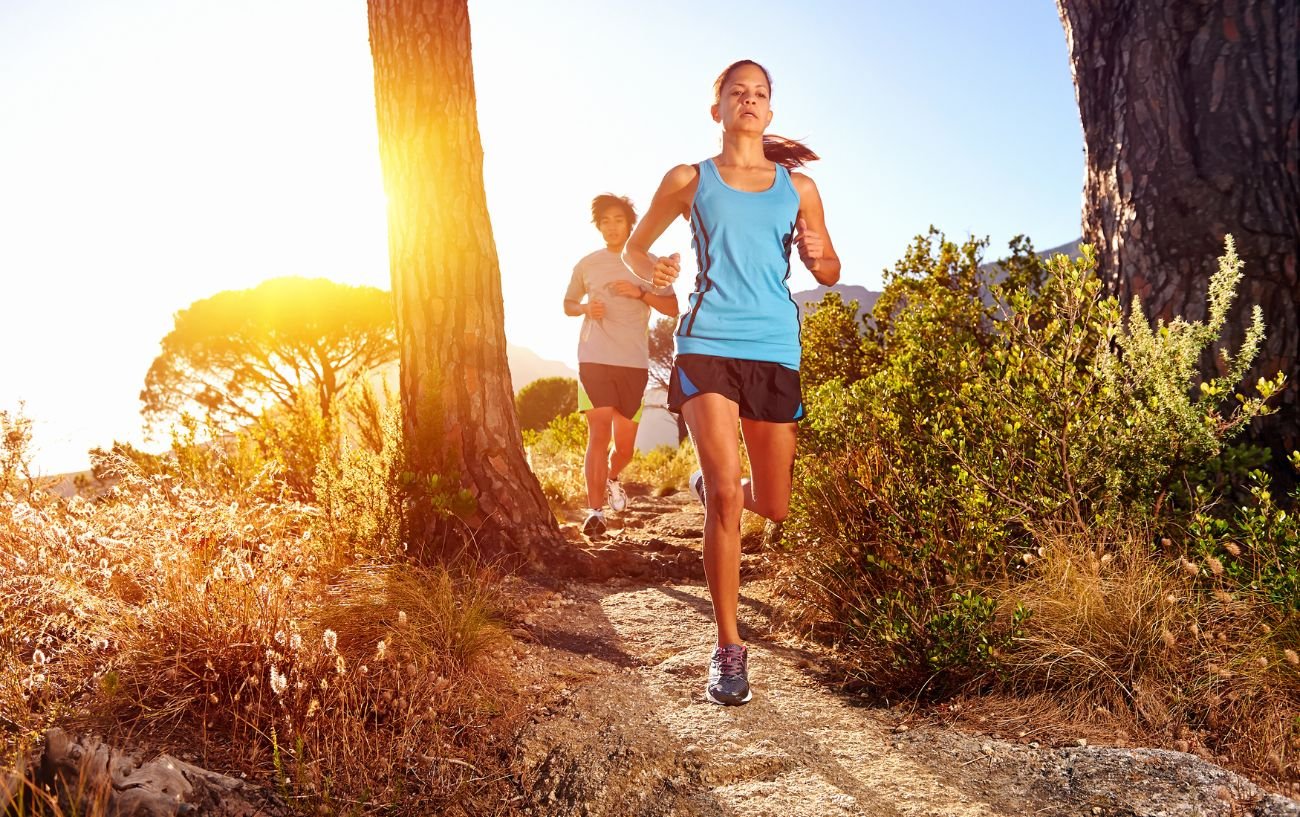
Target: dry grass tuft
1121, 638
176, 618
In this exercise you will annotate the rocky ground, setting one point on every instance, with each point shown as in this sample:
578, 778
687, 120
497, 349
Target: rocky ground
616, 664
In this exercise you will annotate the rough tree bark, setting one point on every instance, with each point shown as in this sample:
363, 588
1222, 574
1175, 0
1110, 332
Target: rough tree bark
1191, 121
458, 407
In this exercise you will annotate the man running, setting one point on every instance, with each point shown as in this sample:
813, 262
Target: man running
613, 358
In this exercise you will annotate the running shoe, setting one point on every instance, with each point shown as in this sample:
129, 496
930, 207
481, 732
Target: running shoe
615, 495
729, 676
595, 524
696, 484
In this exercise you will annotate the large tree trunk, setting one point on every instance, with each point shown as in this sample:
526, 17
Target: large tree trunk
1191, 122
458, 407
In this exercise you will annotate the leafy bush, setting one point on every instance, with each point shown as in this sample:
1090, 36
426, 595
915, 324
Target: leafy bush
543, 400
832, 343
1255, 547
996, 404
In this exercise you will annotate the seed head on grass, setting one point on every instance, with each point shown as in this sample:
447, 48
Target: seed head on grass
279, 683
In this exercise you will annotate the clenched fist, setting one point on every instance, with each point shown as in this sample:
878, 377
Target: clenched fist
667, 269
812, 247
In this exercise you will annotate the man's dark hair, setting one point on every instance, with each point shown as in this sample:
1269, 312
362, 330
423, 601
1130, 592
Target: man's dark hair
607, 200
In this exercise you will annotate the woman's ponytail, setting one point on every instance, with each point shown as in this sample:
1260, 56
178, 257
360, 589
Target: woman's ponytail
787, 152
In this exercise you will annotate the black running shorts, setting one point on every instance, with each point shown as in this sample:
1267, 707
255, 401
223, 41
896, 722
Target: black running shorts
622, 387
764, 391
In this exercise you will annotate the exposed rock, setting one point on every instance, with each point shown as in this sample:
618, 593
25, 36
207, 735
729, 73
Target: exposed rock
91, 777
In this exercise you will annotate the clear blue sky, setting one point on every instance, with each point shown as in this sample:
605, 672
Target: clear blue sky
155, 152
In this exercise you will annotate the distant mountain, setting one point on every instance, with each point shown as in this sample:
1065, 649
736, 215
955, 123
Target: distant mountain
994, 270
527, 366
1070, 248
866, 298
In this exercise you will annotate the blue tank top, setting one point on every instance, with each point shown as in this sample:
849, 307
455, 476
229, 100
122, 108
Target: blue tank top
741, 307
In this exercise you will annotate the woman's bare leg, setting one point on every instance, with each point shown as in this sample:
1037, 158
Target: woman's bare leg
712, 420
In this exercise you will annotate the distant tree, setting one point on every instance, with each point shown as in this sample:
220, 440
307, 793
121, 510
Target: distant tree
458, 412
832, 342
1191, 126
236, 354
544, 399
663, 348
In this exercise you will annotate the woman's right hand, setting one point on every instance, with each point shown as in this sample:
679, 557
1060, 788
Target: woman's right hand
596, 309
667, 269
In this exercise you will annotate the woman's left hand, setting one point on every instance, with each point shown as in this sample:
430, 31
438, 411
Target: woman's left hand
812, 247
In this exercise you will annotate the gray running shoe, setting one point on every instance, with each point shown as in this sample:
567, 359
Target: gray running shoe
615, 495
696, 484
595, 524
729, 676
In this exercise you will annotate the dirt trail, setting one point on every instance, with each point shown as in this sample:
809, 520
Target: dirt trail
621, 726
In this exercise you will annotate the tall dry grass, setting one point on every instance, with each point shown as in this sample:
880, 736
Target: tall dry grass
248, 633
1166, 650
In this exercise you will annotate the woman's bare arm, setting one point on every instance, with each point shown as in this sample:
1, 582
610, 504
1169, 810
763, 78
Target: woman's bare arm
671, 200
815, 248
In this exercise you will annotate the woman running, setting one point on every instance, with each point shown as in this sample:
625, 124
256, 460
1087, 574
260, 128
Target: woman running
738, 340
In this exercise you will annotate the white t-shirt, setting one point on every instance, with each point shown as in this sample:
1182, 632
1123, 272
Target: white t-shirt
619, 338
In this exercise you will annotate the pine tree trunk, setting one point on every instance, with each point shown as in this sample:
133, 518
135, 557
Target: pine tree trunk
458, 406
1191, 121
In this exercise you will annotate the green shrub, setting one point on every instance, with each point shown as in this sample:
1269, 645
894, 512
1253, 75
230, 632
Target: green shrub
1255, 548
543, 400
832, 343
997, 404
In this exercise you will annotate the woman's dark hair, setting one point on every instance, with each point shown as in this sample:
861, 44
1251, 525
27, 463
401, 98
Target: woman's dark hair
607, 200
787, 152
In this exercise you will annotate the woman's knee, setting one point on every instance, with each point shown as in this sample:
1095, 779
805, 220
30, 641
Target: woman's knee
726, 496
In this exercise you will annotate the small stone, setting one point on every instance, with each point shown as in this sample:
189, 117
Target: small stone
902, 727
1081, 742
